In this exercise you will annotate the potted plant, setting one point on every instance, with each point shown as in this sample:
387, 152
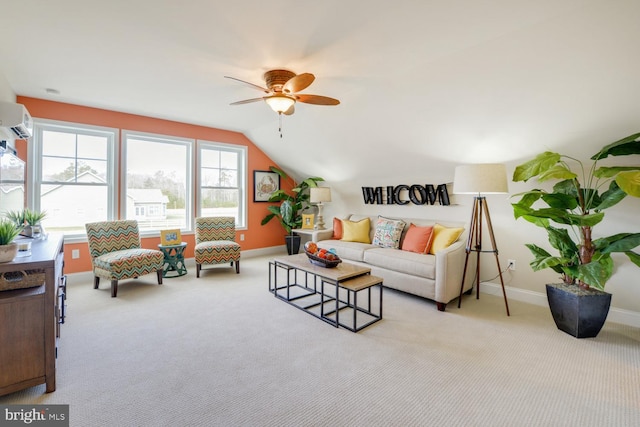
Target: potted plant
33, 219
29, 220
577, 203
290, 208
8, 232
17, 217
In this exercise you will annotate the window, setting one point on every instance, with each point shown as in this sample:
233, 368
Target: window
157, 175
74, 178
73, 175
222, 182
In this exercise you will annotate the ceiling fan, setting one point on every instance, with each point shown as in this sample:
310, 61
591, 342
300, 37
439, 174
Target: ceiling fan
282, 87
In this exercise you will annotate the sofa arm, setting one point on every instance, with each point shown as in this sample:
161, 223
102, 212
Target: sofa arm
323, 235
449, 271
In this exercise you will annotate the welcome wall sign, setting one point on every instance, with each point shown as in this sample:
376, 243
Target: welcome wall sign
417, 194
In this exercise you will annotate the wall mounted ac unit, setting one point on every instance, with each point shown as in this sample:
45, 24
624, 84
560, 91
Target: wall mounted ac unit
16, 119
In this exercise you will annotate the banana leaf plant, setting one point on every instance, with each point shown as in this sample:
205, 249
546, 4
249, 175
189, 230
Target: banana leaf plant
291, 204
577, 204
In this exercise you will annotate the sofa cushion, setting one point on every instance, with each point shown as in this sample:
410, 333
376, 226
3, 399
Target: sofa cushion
421, 265
418, 239
443, 237
337, 228
349, 251
388, 232
356, 231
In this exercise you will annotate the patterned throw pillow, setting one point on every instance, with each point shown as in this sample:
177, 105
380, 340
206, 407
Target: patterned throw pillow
388, 232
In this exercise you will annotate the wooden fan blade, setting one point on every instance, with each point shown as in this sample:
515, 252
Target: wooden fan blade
317, 99
265, 90
246, 101
291, 110
298, 83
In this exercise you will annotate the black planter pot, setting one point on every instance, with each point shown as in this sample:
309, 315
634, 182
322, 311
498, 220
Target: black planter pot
581, 314
293, 243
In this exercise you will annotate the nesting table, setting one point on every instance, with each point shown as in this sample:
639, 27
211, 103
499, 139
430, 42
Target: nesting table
330, 294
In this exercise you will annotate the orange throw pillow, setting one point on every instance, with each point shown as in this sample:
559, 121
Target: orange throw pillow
337, 229
418, 239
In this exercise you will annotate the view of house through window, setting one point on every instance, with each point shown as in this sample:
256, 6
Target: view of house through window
75, 180
158, 176
72, 177
222, 172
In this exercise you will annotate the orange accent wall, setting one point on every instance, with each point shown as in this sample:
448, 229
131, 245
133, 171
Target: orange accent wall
255, 235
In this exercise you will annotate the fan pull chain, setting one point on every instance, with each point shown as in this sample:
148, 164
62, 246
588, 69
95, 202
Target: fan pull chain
280, 124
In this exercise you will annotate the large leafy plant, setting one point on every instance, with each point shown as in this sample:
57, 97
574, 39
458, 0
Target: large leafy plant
291, 204
577, 203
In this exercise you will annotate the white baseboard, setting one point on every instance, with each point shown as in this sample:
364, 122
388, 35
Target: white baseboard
616, 315
271, 250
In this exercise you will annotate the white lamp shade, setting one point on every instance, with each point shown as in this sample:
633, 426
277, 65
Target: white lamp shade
280, 103
484, 178
319, 194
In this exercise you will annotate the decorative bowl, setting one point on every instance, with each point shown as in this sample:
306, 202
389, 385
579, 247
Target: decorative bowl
322, 262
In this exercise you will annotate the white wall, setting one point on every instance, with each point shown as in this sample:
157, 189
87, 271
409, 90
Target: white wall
6, 93
511, 235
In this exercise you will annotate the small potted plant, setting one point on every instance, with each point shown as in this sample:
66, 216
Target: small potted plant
33, 219
577, 203
29, 220
289, 211
17, 217
8, 232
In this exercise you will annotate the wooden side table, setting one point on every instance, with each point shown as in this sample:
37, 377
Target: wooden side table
173, 260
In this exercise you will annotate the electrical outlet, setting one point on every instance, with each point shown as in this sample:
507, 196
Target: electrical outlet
75, 253
242, 237
511, 264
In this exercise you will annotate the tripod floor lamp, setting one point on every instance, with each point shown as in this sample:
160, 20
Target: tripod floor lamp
479, 179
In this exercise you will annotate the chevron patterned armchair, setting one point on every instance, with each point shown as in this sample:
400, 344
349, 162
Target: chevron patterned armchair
215, 242
116, 253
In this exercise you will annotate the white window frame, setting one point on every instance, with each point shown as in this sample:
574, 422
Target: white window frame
190, 166
34, 155
242, 151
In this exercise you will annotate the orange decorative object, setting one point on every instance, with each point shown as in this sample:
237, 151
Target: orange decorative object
311, 247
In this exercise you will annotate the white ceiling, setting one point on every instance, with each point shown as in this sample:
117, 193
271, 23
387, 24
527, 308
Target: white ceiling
455, 81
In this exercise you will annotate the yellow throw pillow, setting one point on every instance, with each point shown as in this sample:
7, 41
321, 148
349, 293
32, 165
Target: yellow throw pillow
443, 237
356, 231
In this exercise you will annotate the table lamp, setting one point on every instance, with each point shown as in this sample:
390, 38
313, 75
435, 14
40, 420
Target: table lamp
479, 179
319, 195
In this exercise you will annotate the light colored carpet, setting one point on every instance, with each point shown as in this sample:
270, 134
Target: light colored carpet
222, 351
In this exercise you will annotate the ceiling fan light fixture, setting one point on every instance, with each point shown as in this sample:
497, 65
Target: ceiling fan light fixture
279, 103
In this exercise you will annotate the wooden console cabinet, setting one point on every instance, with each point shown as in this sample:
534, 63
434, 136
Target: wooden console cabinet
30, 319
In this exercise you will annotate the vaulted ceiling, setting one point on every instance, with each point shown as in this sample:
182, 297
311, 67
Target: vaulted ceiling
422, 84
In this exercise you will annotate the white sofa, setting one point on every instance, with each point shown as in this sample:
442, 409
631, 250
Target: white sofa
435, 277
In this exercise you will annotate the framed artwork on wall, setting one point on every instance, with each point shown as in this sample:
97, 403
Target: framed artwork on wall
264, 184
307, 221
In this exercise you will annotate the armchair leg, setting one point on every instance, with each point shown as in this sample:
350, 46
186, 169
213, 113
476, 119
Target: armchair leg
114, 288
197, 270
238, 267
160, 276
96, 282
